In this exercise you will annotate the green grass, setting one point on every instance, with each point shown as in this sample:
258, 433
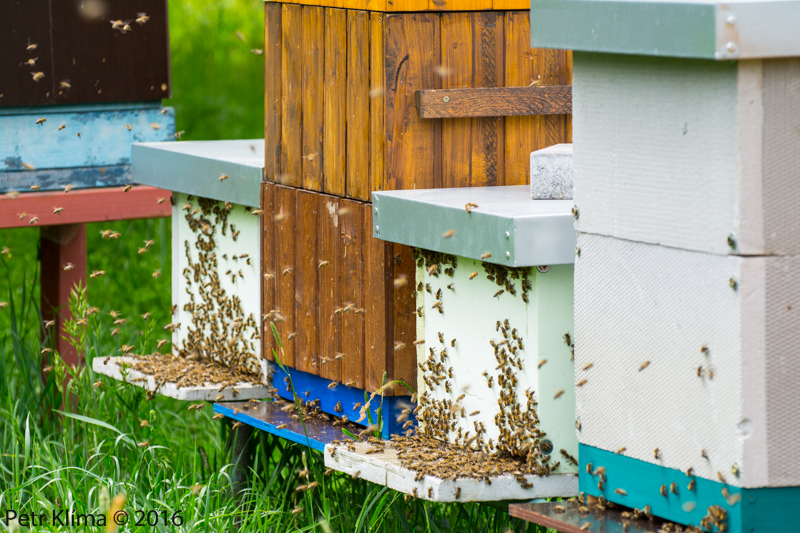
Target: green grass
74, 447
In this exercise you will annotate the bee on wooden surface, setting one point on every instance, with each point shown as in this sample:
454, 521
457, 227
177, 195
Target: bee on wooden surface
663, 490
458, 493
471, 276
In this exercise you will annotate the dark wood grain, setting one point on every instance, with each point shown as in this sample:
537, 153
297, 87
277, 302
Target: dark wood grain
358, 122
570, 520
329, 255
272, 90
378, 305
335, 80
306, 284
103, 64
377, 104
495, 102
268, 268
23, 23
352, 257
404, 320
285, 208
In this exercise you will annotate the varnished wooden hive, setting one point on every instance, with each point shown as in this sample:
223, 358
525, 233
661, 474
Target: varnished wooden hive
341, 122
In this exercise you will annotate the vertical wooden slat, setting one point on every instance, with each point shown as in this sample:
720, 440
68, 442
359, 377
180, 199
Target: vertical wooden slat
410, 141
378, 305
404, 323
555, 73
569, 81
329, 321
285, 206
272, 90
291, 95
472, 148
306, 284
268, 269
335, 145
352, 332
313, 96
377, 126
523, 135
358, 104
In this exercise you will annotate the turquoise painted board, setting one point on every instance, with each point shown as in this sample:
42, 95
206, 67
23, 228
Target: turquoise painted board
104, 136
58, 178
759, 510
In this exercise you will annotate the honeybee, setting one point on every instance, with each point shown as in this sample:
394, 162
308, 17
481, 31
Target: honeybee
128, 126
644, 365
486, 256
333, 385
458, 493
449, 233
656, 453
223, 177
621, 451
41, 121
558, 394
57, 210
581, 383
663, 490
37, 75
542, 362
621, 492
142, 18
704, 455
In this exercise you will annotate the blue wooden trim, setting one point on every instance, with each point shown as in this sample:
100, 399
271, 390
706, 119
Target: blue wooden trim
57, 179
317, 388
105, 139
761, 510
79, 108
270, 428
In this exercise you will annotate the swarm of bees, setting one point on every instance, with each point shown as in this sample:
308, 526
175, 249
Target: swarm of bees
220, 344
503, 276
521, 447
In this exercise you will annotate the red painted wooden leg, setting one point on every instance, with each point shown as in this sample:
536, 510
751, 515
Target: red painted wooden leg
61, 245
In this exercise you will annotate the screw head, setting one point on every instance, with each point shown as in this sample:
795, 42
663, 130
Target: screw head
377, 229
446, 99
731, 20
731, 47
508, 234
375, 210
508, 254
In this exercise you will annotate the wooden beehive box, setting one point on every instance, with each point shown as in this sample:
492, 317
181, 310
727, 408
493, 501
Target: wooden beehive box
329, 288
341, 117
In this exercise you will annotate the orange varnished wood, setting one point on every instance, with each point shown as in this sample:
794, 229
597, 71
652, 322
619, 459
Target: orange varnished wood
410, 140
313, 96
291, 96
306, 284
358, 105
378, 304
377, 104
272, 90
335, 80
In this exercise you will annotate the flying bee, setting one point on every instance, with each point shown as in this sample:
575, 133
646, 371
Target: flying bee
558, 394
542, 362
428, 288
644, 365
471, 276
223, 177
127, 188
581, 383
40, 121
620, 451
333, 385
37, 76
486, 256
452, 287
498, 293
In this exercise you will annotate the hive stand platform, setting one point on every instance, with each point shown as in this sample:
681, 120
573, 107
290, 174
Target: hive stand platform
384, 468
267, 416
571, 521
190, 394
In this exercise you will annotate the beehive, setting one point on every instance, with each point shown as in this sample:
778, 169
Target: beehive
686, 261
328, 287
494, 317
341, 117
216, 245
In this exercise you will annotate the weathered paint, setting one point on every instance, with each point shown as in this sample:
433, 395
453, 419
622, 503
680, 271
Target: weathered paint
57, 178
104, 137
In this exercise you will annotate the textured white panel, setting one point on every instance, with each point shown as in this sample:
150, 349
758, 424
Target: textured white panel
247, 288
655, 149
686, 153
635, 303
470, 316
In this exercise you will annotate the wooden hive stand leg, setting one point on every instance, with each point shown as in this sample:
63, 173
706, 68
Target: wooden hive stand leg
61, 245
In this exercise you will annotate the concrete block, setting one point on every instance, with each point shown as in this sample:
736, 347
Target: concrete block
551, 173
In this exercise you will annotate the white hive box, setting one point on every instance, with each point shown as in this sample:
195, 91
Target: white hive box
521, 235
641, 302
689, 153
217, 297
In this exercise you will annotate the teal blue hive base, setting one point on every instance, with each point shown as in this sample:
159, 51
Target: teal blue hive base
760, 510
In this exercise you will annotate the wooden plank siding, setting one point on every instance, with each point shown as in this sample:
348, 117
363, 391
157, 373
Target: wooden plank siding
398, 6
339, 298
342, 117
